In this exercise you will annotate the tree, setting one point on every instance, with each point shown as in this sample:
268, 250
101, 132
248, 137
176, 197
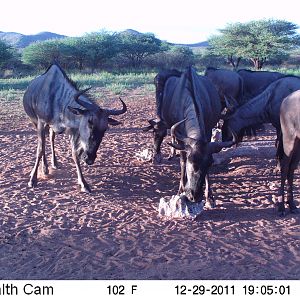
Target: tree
42, 54
75, 51
257, 41
136, 46
100, 47
5, 52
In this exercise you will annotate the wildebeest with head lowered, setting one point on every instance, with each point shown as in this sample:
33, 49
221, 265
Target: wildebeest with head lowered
190, 104
53, 101
264, 108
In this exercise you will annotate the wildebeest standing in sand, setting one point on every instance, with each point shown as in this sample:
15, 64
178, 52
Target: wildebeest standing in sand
289, 155
190, 104
264, 108
158, 126
53, 101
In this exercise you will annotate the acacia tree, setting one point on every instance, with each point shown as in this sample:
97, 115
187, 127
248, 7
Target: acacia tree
75, 52
257, 41
42, 54
137, 46
99, 47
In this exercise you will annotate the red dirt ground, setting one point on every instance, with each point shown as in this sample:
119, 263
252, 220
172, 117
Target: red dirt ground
56, 232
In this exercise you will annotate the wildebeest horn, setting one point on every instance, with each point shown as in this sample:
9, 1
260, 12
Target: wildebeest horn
186, 140
115, 112
231, 103
79, 93
87, 105
173, 128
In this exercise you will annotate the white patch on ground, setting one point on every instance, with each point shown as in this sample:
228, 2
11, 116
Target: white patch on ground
145, 155
179, 207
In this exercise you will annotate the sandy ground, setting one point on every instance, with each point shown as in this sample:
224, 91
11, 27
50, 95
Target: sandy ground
56, 232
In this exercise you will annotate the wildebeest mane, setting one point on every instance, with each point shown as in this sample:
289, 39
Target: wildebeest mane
70, 81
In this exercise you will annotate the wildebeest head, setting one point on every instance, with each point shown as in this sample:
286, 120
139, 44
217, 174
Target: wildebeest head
198, 160
93, 123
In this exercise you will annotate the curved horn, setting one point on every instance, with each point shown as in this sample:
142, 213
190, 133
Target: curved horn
115, 112
79, 93
173, 128
87, 105
187, 140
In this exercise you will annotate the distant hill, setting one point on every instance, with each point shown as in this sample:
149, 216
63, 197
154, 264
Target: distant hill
195, 45
20, 41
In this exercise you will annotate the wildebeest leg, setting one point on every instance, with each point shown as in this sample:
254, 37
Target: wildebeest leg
53, 157
81, 181
279, 151
158, 138
284, 163
208, 193
182, 172
290, 177
45, 168
40, 153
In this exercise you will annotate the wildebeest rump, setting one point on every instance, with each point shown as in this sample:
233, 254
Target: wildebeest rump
255, 82
290, 155
229, 85
191, 105
264, 108
53, 101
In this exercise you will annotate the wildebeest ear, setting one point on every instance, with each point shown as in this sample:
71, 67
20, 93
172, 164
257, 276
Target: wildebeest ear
214, 147
76, 111
113, 122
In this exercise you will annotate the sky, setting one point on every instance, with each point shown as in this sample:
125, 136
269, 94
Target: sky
184, 21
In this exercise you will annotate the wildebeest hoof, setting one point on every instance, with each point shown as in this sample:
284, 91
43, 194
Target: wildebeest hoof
211, 203
55, 166
86, 189
32, 183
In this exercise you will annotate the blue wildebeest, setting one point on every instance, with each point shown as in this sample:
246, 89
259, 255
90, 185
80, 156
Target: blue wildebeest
264, 108
191, 107
53, 101
158, 126
255, 82
289, 155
